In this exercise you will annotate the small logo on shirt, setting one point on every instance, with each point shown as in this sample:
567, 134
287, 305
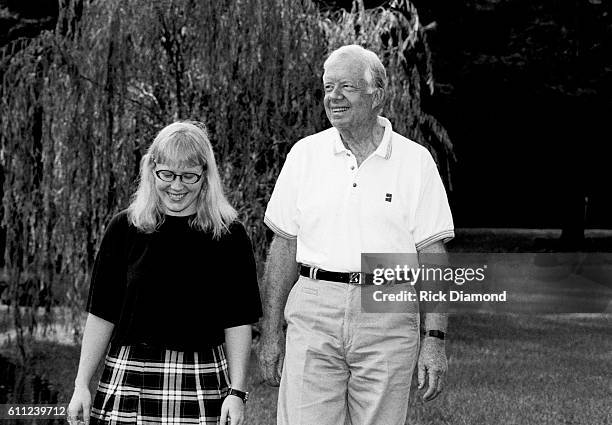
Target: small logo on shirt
388, 197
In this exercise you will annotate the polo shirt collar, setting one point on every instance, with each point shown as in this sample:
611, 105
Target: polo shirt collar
383, 150
338, 145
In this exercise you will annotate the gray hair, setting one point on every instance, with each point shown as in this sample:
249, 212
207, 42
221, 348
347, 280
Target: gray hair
375, 73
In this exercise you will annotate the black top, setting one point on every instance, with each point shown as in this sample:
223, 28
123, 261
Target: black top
176, 287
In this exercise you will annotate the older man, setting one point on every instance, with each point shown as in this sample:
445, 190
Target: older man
354, 188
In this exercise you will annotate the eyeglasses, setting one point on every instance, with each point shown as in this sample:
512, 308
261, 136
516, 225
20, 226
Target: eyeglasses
169, 176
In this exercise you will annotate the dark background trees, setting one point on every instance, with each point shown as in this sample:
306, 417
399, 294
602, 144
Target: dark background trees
525, 91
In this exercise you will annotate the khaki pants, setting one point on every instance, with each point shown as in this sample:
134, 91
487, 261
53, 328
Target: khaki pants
343, 366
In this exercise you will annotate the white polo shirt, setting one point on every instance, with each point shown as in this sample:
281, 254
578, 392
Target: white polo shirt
394, 202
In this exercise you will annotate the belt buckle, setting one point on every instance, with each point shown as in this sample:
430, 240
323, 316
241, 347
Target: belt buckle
354, 278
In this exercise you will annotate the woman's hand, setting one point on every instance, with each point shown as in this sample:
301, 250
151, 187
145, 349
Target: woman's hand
232, 408
80, 403
96, 337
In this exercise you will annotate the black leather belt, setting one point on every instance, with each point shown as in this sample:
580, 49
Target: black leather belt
352, 278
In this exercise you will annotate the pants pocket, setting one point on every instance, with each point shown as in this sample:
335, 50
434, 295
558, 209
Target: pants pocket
290, 297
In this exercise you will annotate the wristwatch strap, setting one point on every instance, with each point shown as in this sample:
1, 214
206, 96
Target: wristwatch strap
435, 334
243, 395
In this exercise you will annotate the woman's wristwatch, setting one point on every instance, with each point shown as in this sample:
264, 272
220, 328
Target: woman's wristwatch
243, 395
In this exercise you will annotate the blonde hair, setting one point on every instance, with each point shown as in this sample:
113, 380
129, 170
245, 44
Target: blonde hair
181, 144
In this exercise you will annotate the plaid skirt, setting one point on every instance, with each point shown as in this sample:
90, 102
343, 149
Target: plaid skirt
141, 384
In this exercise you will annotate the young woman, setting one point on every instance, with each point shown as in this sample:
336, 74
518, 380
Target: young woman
173, 280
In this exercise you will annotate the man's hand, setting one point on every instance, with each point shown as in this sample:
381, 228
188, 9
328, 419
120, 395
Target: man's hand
271, 353
280, 274
432, 363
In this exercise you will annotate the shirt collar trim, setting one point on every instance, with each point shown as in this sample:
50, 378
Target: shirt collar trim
338, 145
385, 147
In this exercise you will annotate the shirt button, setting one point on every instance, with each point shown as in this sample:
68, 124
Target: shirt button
348, 154
354, 184
352, 167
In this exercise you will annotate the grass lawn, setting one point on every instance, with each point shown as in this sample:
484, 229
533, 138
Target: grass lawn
512, 369
525, 370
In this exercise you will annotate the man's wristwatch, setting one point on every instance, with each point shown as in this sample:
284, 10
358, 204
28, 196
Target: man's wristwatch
243, 395
435, 334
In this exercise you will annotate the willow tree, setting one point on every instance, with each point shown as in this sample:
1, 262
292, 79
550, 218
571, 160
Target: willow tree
81, 104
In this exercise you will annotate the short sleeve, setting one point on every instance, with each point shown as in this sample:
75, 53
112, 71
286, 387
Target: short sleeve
108, 278
433, 220
242, 290
281, 212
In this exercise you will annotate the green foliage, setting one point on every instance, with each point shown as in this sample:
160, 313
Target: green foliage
81, 105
